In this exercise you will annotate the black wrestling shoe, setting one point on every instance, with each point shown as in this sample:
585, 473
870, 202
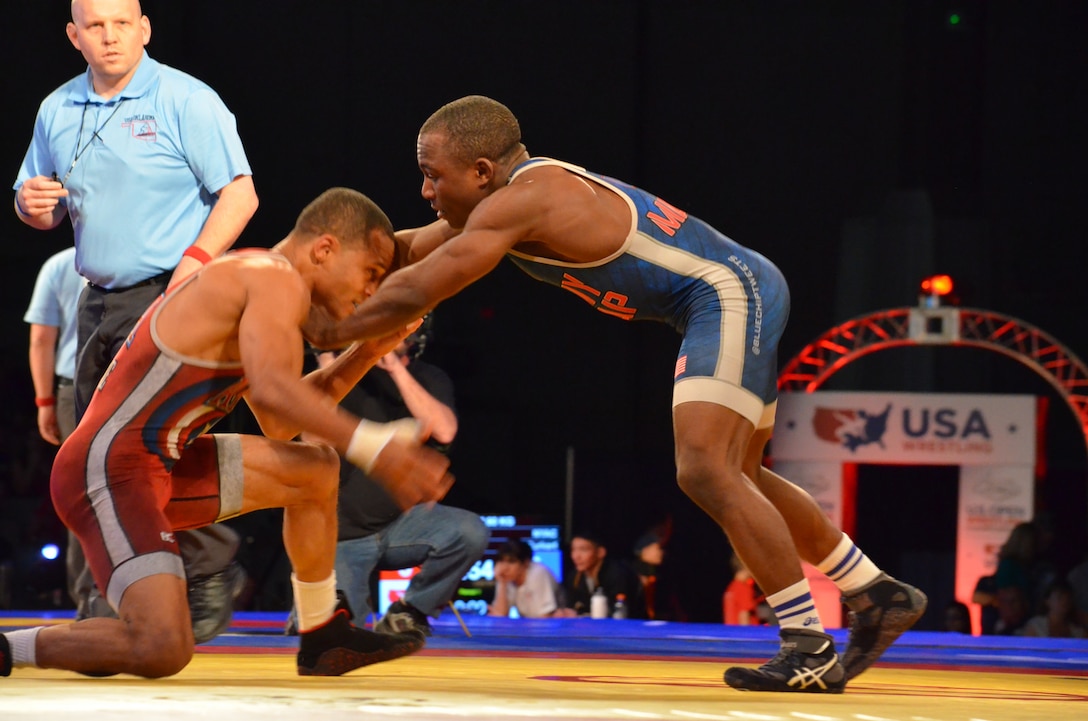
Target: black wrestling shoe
211, 601
806, 662
337, 647
5, 656
290, 627
402, 617
879, 614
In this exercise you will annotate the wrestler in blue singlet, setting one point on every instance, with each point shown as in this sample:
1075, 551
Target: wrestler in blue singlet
728, 302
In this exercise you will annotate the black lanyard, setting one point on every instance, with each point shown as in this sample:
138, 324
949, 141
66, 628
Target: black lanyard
79, 151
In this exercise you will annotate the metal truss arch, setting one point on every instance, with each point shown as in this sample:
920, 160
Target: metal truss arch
936, 325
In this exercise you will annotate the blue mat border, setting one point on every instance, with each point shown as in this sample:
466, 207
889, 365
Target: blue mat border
611, 637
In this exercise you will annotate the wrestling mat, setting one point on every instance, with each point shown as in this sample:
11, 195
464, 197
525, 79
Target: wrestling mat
567, 669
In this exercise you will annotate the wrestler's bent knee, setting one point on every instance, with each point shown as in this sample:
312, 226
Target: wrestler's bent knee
160, 652
322, 478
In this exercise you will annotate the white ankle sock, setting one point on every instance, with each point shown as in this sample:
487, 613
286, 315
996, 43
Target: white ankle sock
314, 602
848, 567
794, 607
24, 650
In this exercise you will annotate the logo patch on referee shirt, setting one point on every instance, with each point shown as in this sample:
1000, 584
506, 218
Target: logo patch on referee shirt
142, 127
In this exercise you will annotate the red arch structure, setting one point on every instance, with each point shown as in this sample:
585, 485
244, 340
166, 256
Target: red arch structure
934, 325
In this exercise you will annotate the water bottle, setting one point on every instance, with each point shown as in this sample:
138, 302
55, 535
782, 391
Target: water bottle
598, 604
620, 610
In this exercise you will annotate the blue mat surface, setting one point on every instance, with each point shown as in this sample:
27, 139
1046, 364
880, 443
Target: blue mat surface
583, 636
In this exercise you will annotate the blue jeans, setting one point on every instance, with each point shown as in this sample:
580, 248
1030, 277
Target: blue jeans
443, 541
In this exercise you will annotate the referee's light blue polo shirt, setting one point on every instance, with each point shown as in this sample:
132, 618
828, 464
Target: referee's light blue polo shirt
150, 161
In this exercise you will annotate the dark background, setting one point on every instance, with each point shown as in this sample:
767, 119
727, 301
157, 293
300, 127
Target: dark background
860, 145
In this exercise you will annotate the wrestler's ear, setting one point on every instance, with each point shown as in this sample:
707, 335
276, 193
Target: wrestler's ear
484, 171
323, 247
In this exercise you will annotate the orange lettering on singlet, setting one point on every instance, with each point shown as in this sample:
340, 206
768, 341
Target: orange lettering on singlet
610, 303
672, 219
616, 304
587, 293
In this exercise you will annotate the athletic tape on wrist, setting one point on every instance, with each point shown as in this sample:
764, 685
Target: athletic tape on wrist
370, 438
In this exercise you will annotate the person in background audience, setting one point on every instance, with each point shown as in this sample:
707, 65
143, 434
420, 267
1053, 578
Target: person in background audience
1013, 610
1060, 619
649, 554
1078, 582
373, 532
594, 568
957, 617
525, 585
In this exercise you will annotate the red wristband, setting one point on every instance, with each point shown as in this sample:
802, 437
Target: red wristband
44, 402
198, 254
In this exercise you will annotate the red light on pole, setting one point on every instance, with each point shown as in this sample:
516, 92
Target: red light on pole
939, 285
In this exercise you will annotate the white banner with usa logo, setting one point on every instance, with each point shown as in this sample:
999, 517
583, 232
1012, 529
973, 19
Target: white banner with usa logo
991, 438
911, 428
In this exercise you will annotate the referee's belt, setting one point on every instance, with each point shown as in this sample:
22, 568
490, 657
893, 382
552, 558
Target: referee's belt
62, 381
160, 279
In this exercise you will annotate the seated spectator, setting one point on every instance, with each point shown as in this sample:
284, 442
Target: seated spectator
1017, 568
649, 555
1012, 610
593, 567
373, 532
1017, 564
1060, 619
524, 585
1078, 582
985, 595
743, 599
957, 618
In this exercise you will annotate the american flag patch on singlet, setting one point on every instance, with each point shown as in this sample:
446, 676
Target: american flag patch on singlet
681, 366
